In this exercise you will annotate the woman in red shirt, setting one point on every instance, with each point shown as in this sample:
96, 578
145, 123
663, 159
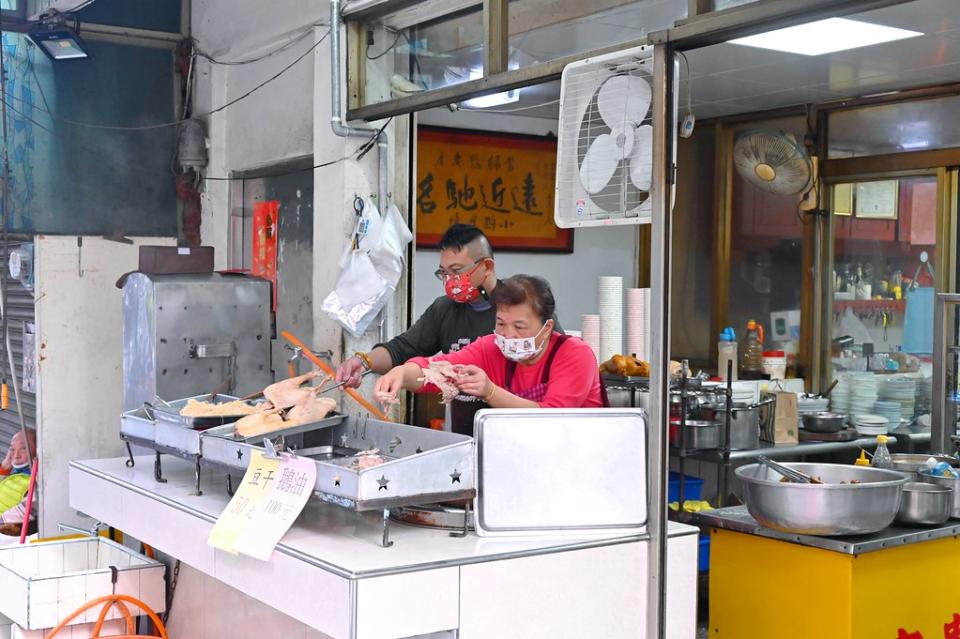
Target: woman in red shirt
523, 364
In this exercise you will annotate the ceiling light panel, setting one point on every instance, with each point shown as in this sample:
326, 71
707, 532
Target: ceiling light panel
826, 36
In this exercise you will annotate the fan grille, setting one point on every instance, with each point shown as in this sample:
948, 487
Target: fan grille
771, 161
580, 124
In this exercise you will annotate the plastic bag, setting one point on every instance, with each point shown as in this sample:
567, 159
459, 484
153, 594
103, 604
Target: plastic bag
370, 272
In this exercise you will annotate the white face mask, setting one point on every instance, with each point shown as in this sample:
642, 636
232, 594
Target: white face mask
519, 349
20, 466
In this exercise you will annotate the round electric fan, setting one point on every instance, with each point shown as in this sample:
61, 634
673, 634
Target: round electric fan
615, 143
772, 161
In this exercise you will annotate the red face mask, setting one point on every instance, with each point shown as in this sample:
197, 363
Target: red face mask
459, 289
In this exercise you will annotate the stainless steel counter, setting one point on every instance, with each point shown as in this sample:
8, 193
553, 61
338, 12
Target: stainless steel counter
737, 519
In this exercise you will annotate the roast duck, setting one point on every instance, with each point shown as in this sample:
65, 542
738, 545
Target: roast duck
289, 403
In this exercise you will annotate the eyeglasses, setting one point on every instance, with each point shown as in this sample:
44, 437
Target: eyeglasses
443, 275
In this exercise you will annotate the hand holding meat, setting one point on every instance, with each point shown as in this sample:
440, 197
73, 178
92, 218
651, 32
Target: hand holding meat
446, 377
350, 371
472, 380
389, 386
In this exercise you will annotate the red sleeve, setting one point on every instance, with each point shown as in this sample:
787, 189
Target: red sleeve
479, 353
574, 378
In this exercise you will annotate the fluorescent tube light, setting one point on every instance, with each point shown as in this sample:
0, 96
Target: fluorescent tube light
825, 36
497, 99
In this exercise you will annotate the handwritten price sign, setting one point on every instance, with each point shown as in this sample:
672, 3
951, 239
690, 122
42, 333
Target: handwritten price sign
272, 495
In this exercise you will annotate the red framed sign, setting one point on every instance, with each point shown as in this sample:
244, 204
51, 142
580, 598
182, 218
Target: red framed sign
501, 183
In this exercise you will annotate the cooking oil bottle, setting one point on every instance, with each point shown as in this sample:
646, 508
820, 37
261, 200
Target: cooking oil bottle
751, 352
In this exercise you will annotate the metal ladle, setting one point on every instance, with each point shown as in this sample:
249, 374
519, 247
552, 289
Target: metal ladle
790, 473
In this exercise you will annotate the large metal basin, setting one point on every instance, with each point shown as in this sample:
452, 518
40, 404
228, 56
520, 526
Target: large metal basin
824, 509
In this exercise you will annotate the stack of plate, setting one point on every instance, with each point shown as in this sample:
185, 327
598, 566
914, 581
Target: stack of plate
590, 333
638, 322
840, 396
902, 390
889, 411
863, 393
610, 304
871, 424
744, 393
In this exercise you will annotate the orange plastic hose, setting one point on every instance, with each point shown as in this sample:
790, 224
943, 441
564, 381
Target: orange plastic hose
127, 617
357, 397
109, 600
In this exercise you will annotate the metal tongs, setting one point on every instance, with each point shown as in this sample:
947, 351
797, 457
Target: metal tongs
790, 473
340, 385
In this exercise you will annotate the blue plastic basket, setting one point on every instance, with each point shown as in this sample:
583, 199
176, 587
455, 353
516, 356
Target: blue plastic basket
692, 487
703, 557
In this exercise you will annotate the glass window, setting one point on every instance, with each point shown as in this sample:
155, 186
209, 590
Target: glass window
544, 30
895, 128
766, 256
405, 54
883, 279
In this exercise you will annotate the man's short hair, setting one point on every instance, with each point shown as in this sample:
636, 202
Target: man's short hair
459, 236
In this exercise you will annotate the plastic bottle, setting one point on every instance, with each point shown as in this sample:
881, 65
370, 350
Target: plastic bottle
727, 352
862, 459
751, 352
881, 457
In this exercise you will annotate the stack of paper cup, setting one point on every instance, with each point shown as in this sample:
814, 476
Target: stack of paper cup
610, 303
638, 322
590, 333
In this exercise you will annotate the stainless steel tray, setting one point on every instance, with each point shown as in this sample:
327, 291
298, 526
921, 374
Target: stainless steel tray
561, 471
170, 412
422, 465
222, 449
138, 424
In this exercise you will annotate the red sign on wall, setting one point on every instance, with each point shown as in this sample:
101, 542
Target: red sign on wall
266, 222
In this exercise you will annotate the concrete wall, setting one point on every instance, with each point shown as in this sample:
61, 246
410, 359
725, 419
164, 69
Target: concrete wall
288, 119
80, 364
573, 277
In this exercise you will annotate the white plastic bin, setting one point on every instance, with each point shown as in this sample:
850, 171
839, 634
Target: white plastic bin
80, 631
43, 583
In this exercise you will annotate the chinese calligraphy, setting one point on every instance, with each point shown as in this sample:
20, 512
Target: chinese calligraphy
504, 184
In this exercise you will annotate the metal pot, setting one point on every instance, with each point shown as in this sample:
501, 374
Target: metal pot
911, 464
926, 504
696, 435
824, 422
831, 508
948, 482
744, 425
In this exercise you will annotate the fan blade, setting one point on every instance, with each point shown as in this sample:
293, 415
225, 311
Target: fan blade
623, 98
599, 164
641, 160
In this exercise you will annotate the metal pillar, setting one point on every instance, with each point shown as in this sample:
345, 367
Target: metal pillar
660, 247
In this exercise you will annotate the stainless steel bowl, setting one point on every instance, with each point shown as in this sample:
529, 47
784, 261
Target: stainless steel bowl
912, 464
831, 508
824, 422
947, 482
926, 504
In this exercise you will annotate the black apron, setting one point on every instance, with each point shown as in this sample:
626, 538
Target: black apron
462, 413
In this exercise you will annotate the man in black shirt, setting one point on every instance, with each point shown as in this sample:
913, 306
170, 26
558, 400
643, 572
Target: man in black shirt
453, 320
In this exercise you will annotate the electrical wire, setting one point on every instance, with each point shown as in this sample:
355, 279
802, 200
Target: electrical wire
164, 125
206, 56
523, 108
365, 148
388, 49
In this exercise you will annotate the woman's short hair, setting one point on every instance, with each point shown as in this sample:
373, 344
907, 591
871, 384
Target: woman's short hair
525, 289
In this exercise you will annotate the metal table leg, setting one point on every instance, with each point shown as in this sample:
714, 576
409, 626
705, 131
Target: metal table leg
386, 543
158, 470
196, 473
466, 522
130, 463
